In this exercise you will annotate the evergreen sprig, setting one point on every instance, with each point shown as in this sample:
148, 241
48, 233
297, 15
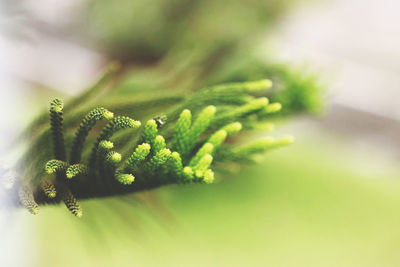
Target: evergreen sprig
110, 162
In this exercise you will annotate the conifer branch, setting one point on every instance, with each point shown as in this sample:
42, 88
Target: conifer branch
173, 151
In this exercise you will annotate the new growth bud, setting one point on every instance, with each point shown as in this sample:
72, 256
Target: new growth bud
106, 145
257, 85
273, 107
113, 157
159, 143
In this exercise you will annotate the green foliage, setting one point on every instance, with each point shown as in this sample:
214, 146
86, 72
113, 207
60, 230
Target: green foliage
298, 91
215, 80
125, 156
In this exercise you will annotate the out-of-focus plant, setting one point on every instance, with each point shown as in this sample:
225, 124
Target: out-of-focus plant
147, 30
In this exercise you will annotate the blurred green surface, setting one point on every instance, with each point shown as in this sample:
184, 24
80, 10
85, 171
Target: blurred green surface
306, 205
147, 30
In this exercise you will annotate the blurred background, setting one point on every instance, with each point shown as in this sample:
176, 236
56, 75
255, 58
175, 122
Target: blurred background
331, 199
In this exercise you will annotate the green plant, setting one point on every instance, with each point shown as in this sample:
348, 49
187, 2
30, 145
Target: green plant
125, 156
114, 155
